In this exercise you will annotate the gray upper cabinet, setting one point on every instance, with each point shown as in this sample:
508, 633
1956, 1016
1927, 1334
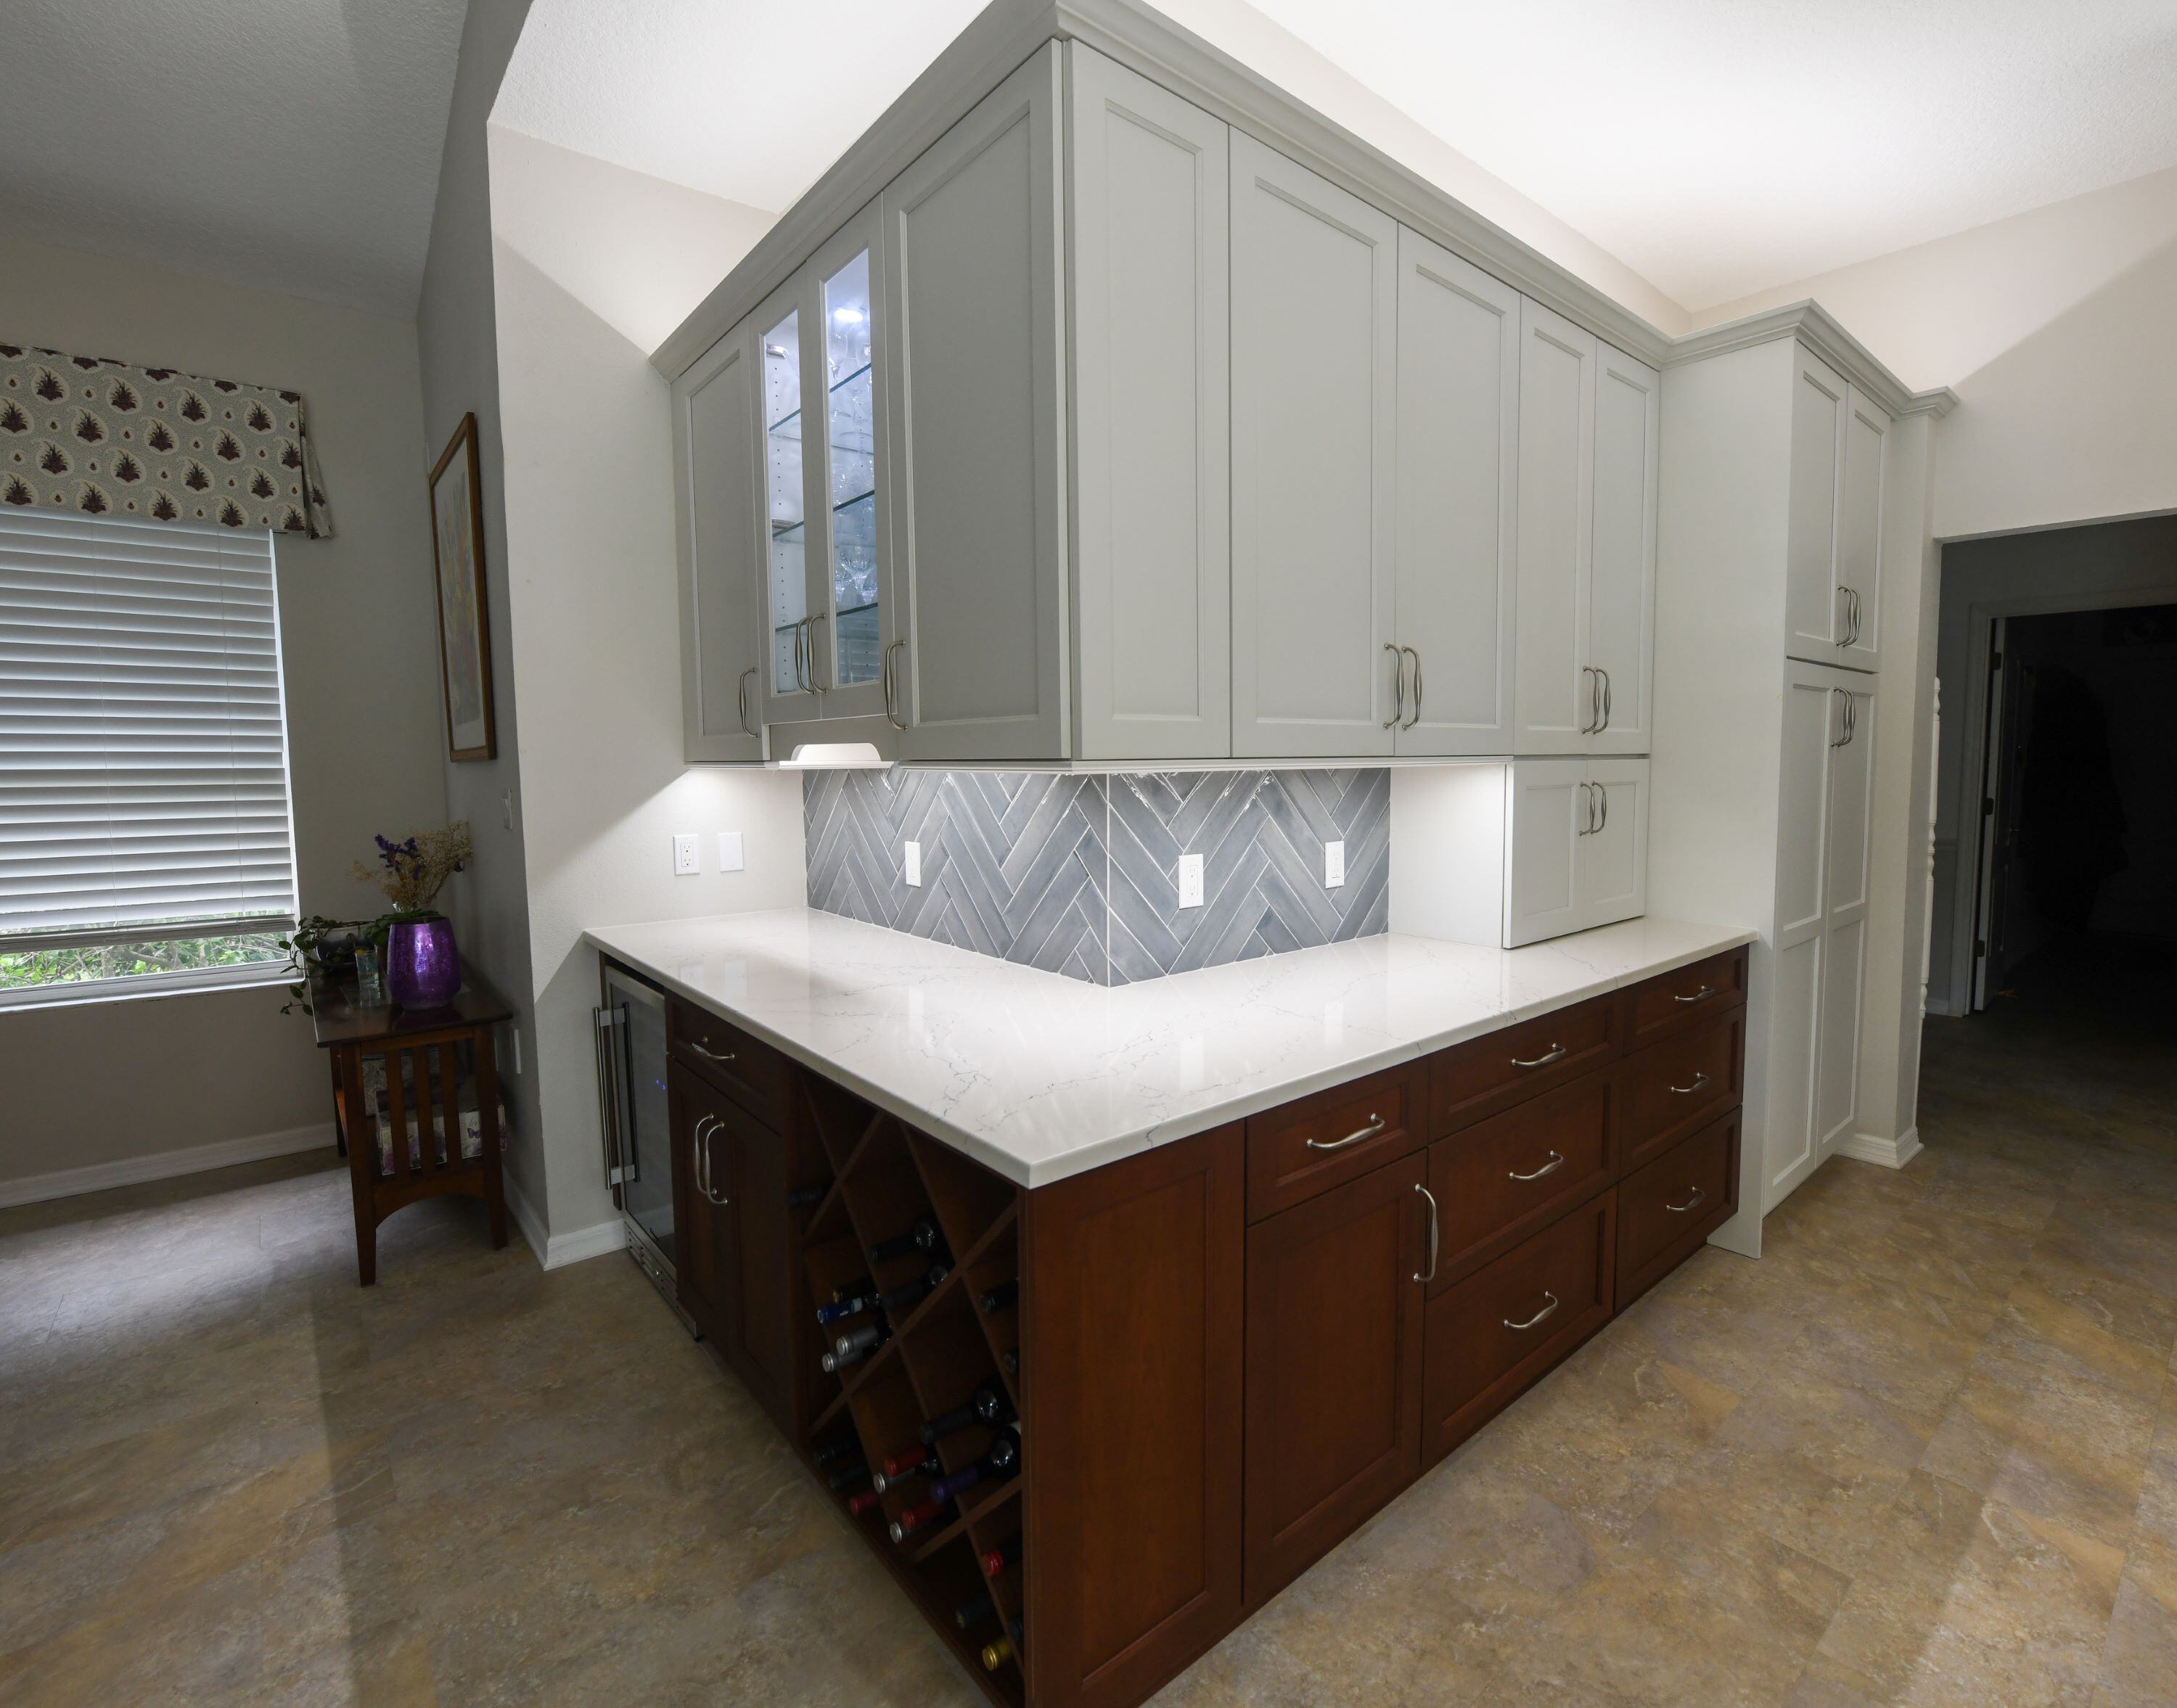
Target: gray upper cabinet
1314, 393
1833, 561
1555, 693
721, 532
972, 290
1458, 456
1151, 396
1621, 601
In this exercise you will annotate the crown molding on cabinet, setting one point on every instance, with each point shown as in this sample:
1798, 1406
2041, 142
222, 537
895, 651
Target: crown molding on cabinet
1816, 327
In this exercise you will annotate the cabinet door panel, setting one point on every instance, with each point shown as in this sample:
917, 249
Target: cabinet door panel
703, 1256
971, 278
1837, 1072
1458, 496
1333, 1368
1667, 1208
1859, 525
1497, 1182
1151, 395
1789, 1150
792, 493
1813, 606
752, 1160
1844, 949
1612, 875
1548, 820
1621, 607
721, 551
1556, 533
1314, 279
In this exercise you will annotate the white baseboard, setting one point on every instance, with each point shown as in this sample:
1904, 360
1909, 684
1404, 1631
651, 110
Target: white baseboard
165, 1164
557, 1250
1891, 1153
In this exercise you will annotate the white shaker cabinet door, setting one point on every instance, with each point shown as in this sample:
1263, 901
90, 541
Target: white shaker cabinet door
1859, 530
1612, 873
1845, 894
1152, 396
721, 528
1314, 387
1621, 602
972, 284
1458, 456
1546, 820
1813, 600
1554, 695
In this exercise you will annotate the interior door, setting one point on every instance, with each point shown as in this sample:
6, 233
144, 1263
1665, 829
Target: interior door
1314, 391
972, 286
1546, 819
718, 497
1610, 872
1621, 604
1859, 530
1812, 720
1458, 499
1553, 694
1844, 905
792, 491
1334, 1294
1814, 604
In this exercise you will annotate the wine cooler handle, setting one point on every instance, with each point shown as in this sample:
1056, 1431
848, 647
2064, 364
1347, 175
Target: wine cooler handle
1540, 1317
1554, 1053
1433, 1233
608, 1096
1376, 1125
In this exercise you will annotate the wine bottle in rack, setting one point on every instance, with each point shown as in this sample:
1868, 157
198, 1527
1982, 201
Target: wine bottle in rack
898, 1301
999, 1464
1000, 1650
835, 1451
917, 1519
1011, 1362
988, 1404
859, 1503
901, 1466
847, 1476
801, 1197
925, 1236
974, 1611
853, 1348
1005, 1554
999, 1297
848, 1289
852, 1305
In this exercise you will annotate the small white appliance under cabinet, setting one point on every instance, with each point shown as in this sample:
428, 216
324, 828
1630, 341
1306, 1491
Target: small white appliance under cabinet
1515, 853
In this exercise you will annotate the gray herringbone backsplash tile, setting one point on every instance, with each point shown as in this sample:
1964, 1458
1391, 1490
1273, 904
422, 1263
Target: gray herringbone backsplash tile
1079, 875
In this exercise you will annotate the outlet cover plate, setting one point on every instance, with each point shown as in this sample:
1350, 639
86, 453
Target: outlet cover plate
686, 861
730, 851
1333, 865
913, 862
1189, 880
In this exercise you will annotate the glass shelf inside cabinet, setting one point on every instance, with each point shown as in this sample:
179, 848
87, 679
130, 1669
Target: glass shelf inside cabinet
850, 447
783, 469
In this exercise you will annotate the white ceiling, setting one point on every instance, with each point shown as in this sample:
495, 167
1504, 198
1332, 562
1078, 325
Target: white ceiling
1716, 147
290, 145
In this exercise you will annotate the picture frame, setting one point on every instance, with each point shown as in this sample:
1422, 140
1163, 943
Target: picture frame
457, 563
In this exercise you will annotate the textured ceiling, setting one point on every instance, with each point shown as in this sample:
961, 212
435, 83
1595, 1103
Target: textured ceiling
1716, 147
289, 144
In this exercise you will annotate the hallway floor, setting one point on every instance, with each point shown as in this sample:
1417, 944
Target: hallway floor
1924, 1452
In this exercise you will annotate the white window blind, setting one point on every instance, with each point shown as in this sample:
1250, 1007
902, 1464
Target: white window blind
142, 741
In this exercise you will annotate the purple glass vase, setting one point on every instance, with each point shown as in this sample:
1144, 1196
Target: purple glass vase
423, 966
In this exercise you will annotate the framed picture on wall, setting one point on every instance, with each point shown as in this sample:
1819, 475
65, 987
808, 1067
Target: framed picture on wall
464, 631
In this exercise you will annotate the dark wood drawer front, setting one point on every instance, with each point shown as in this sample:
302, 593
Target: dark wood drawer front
1662, 1005
1667, 1210
1681, 1084
1332, 1137
1500, 1329
1498, 1182
758, 1075
1472, 1081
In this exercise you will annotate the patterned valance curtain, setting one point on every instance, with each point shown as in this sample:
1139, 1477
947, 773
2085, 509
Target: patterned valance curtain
86, 433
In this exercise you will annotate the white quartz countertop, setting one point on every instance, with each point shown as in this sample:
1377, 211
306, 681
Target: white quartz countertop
1041, 1077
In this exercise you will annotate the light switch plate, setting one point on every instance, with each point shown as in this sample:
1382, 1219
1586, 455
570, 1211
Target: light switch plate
914, 863
1333, 865
686, 861
730, 851
1189, 880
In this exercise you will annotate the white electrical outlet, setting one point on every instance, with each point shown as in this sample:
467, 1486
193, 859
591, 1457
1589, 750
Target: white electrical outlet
914, 863
686, 861
1333, 865
1189, 880
730, 851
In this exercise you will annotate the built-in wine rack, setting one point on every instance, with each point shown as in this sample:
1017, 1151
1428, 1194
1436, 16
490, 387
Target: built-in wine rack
961, 1337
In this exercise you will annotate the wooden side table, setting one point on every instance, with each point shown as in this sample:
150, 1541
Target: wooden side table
424, 1087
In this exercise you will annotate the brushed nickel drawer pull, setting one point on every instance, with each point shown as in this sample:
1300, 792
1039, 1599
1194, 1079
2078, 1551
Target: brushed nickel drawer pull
1540, 1316
1699, 1198
1376, 1125
1430, 1197
1555, 1052
1551, 1166
1700, 1084
1700, 996
709, 1054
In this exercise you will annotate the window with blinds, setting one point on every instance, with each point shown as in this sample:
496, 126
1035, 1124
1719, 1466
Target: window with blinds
142, 749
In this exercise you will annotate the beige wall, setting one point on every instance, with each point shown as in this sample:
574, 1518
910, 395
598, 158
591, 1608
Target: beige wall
596, 630
101, 1083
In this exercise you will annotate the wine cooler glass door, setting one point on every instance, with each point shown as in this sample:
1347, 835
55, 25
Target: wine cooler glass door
645, 1138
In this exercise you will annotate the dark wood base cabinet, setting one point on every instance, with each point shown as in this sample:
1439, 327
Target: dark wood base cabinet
1166, 1387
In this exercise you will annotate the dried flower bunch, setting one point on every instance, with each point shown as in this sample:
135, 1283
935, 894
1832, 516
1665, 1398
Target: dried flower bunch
412, 873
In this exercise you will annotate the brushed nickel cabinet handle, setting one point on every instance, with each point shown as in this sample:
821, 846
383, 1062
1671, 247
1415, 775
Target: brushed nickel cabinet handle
810, 623
1608, 700
1551, 1166
1540, 1316
1587, 810
1700, 996
1376, 1125
1554, 1053
740, 698
1398, 686
1594, 699
1700, 1084
892, 686
1430, 1197
708, 1054
1699, 1198
695, 1155
1415, 653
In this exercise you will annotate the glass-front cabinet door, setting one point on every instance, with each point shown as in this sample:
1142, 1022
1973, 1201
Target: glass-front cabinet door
789, 686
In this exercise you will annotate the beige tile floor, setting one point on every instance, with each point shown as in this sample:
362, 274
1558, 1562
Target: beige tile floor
1925, 1452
